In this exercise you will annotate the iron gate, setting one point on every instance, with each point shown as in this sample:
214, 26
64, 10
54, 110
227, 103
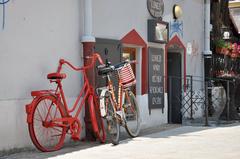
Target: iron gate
204, 102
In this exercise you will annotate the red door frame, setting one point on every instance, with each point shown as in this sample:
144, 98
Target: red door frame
133, 38
175, 41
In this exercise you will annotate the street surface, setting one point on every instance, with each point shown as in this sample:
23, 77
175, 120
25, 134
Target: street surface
184, 142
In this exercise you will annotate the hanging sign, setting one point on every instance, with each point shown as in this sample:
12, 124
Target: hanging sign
155, 8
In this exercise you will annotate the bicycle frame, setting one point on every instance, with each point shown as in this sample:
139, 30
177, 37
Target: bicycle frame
121, 94
57, 118
88, 91
87, 88
117, 104
117, 111
59, 93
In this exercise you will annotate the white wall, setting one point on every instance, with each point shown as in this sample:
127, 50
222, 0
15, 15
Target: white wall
156, 117
36, 35
114, 19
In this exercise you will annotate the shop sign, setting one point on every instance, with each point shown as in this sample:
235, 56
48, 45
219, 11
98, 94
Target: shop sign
155, 8
156, 78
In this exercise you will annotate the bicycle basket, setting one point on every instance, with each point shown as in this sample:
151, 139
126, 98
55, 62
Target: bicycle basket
126, 76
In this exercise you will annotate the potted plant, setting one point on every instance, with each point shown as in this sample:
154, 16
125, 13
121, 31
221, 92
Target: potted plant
220, 46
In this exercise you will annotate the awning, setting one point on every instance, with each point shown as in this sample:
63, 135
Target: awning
234, 10
235, 16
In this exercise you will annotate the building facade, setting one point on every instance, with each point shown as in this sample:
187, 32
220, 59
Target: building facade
36, 34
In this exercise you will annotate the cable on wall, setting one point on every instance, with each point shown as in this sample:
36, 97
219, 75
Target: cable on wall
3, 2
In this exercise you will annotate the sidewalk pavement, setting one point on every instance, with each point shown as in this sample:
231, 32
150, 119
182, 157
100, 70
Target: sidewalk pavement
185, 142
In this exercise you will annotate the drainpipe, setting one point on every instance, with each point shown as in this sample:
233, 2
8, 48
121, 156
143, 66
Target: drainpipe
207, 28
88, 37
88, 41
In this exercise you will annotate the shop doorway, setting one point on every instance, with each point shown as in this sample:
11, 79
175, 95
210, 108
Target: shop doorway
174, 65
129, 53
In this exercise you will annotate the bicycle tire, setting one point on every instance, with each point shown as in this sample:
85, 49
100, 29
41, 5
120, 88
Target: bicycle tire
37, 132
96, 120
130, 105
113, 126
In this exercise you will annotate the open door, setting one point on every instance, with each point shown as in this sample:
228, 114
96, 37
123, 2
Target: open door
174, 87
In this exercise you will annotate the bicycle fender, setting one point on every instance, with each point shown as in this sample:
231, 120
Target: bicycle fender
102, 103
41, 92
29, 107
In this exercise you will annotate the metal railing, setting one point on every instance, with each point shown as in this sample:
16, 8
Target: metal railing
203, 101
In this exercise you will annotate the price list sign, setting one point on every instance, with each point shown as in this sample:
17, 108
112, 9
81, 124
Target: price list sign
156, 78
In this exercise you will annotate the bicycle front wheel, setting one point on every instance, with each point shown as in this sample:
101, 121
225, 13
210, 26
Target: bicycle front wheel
112, 121
97, 122
132, 115
44, 132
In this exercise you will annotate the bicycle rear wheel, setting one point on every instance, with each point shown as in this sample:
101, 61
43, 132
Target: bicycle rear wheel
132, 115
112, 121
97, 122
44, 134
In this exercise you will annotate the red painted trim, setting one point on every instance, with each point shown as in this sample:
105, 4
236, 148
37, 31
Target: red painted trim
134, 38
175, 41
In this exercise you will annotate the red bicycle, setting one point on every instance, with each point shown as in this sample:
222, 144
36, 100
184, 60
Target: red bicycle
49, 117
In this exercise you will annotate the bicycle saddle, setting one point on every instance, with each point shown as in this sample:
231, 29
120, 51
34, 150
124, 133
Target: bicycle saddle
105, 70
56, 75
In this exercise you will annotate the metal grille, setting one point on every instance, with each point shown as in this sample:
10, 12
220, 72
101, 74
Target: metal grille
212, 104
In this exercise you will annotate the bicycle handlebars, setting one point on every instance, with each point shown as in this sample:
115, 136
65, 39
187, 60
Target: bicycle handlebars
62, 61
94, 57
108, 68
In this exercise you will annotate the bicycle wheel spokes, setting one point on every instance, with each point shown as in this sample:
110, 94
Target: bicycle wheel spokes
132, 116
45, 132
49, 110
112, 121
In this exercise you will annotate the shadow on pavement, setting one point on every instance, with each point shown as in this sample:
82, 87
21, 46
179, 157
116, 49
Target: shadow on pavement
35, 154
32, 153
155, 132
